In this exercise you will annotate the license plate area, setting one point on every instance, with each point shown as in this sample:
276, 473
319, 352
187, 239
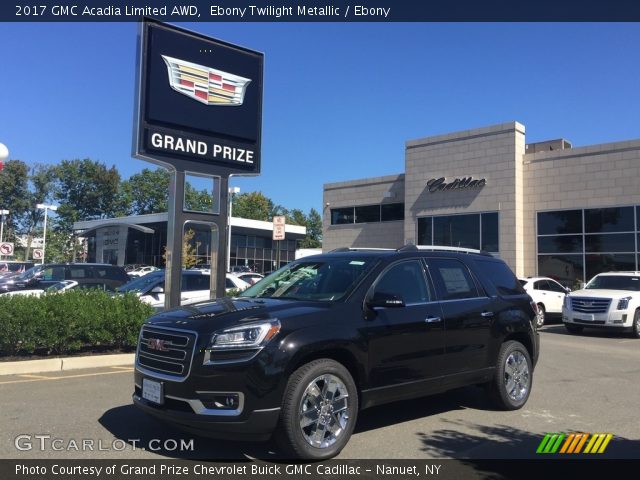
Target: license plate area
152, 391
584, 317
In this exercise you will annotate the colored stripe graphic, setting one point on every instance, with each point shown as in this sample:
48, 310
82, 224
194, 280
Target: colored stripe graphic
573, 443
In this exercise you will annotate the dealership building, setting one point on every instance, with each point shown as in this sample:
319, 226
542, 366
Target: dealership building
546, 208
141, 239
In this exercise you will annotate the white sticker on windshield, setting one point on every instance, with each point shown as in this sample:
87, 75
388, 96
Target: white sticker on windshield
356, 262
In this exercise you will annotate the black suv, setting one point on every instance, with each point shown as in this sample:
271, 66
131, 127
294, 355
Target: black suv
301, 352
88, 275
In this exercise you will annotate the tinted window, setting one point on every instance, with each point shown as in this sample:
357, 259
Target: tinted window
457, 231
453, 279
501, 276
569, 269
367, 214
407, 280
424, 231
614, 282
540, 285
555, 287
392, 211
53, 273
191, 283
565, 221
612, 242
490, 233
560, 244
609, 219
76, 273
341, 215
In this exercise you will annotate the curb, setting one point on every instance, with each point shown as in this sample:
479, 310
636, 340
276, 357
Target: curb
63, 364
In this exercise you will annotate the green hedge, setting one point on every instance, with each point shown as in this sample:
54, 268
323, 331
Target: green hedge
67, 322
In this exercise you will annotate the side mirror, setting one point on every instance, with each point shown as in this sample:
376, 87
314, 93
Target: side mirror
567, 289
157, 289
385, 300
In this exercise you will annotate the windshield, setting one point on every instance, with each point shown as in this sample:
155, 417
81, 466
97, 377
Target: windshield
142, 283
29, 274
615, 282
326, 280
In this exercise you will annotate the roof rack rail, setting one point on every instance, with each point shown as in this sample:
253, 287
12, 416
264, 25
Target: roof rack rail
441, 248
361, 249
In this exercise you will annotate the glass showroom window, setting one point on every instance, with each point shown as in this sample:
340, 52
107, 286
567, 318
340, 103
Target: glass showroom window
575, 245
479, 231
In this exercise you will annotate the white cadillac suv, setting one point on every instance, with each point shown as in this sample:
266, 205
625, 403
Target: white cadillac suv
610, 300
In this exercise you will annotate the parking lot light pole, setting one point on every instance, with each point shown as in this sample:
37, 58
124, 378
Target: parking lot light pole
3, 213
44, 233
232, 192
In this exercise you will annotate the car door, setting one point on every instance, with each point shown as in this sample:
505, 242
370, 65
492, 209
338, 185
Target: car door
405, 339
50, 276
195, 288
468, 316
554, 293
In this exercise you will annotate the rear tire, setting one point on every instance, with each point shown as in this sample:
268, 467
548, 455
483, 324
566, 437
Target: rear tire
540, 317
573, 328
319, 411
511, 385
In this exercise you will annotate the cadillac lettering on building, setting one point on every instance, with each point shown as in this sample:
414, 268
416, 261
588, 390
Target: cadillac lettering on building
440, 184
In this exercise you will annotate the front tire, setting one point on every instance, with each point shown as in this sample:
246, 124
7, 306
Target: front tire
513, 379
573, 328
319, 411
635, 330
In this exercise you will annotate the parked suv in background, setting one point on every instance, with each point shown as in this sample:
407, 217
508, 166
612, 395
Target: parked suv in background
548, 295
99, 275
302, 351
609, 300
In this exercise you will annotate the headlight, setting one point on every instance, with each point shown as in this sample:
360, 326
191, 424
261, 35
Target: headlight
623, 303
252, 335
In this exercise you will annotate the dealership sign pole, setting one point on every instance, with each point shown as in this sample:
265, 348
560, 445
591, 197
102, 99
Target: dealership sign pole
198, 113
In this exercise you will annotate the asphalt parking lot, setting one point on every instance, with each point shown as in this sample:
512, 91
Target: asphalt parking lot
583, 383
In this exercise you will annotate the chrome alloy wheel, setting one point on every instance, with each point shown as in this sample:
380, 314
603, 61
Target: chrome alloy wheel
323, 413
517, 379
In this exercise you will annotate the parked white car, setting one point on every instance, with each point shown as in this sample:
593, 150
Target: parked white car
195, 287
142, 271
59, 287
547, 294
609, 300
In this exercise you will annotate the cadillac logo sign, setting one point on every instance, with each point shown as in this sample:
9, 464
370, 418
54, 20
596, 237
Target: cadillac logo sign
184, 80
464, 183
205, 84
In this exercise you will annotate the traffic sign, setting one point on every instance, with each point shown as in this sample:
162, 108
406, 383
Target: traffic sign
279, 224
6, 248
38, 253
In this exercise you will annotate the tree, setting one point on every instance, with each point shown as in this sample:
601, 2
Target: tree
41, 178
314, 230
146, 192
189, 257
254, 206
86, 190
14, 194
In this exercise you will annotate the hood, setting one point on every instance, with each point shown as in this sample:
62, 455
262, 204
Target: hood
598, 293
213, 315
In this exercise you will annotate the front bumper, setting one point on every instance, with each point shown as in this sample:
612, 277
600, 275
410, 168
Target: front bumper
257, 425
613, 319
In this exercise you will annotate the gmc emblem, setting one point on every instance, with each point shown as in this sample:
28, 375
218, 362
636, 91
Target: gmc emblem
157, 344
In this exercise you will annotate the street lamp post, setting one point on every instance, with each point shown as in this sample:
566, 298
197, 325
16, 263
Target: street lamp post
232, 191
4, 154
3, 213
44, 234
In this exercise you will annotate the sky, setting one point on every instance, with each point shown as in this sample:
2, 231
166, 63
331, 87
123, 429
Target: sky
340, 100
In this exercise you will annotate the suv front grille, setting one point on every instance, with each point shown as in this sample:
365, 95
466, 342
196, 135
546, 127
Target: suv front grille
590, 305
165, 352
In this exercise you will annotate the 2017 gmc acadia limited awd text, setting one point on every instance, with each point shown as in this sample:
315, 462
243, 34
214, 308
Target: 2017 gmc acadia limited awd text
300, 353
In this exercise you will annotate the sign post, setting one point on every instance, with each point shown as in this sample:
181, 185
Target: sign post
279, 226
198, 111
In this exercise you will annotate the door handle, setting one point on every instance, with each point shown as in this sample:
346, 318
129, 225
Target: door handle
432, 319
487, 314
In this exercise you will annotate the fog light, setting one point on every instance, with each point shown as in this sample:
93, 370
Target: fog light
222, 401
624, 318
619, 321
